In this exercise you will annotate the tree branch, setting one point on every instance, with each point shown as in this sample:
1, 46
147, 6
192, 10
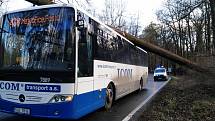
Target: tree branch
191, 10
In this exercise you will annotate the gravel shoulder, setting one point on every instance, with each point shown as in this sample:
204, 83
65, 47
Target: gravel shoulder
185, 98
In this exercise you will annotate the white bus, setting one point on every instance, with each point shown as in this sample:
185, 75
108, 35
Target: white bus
57, 61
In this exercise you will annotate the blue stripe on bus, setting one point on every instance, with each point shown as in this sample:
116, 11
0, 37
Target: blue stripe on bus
80, 106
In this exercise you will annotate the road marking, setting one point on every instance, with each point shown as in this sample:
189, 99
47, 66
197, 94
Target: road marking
131, 114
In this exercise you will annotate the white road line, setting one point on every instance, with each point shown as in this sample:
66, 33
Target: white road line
130, 115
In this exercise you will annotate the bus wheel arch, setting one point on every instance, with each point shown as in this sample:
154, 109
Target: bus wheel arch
110, 95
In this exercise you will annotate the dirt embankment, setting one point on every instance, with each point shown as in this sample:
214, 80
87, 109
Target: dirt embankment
185, 98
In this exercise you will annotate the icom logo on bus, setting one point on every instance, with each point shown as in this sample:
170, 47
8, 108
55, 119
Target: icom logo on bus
124, 73
9, 86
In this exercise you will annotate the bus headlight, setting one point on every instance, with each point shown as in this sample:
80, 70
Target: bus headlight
61, 98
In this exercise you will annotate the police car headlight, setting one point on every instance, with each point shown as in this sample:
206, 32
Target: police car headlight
61, 98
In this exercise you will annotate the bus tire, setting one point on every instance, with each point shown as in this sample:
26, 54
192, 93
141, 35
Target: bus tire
141, 84
109, 96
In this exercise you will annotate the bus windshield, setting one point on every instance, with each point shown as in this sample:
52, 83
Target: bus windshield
40, 39
37, 44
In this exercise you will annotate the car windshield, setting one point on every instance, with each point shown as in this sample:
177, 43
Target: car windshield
40, 39
160, 70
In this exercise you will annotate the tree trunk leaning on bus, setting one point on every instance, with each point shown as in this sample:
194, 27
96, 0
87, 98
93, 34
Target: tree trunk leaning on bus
162, 52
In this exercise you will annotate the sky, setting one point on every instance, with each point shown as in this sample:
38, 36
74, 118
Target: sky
146, 8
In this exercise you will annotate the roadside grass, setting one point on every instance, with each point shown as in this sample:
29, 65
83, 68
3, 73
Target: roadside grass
185, 98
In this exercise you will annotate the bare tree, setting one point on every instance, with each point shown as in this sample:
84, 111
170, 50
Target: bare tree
114, 13
212, 7
189, 27
133, 25
197, 21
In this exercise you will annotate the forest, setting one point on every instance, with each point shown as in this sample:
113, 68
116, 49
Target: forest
186, 28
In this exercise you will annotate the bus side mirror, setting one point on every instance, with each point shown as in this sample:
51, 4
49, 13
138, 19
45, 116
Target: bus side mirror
79, 24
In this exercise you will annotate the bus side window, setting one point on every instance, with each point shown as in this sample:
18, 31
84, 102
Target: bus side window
85, 58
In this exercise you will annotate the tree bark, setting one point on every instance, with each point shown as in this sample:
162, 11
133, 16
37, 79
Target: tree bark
189, 35
208, 28
212, 6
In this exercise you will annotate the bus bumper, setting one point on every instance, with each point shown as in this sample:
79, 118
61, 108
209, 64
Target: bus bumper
58, 110
75, 109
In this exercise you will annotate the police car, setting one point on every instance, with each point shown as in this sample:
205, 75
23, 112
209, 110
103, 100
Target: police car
160, 73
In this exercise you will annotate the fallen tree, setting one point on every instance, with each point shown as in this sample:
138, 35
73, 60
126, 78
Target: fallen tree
164, 53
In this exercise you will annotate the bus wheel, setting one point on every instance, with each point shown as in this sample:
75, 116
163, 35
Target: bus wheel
109, 97
141, 84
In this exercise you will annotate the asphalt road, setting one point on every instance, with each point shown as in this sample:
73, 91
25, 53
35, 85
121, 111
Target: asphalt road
121, 108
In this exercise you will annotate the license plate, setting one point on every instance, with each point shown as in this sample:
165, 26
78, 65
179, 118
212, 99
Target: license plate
23, 111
